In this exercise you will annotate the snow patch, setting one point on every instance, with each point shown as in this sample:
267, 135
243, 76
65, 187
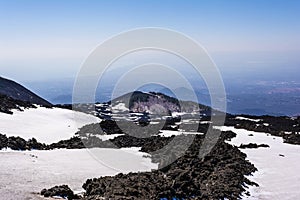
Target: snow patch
168, 133
178, 114
120, 107
24, 173
44, 124
278, 166
244, 118
108, 137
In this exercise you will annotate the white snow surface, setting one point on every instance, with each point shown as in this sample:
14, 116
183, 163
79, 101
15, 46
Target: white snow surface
108, 137
25, 173
120, 107
168, 133
278, 177
245, 118
47, 125
177, 114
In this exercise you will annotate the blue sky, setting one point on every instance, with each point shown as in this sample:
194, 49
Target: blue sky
51, 39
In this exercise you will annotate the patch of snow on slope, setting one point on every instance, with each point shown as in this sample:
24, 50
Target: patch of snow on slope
168, 133
178, 114
278, 166
24, 173
108, 137
120, 107
244, 118
44, 124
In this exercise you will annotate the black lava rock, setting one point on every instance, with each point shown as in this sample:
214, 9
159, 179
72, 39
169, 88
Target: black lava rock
3, 141
62, 191
219, 175
253, 146
292, 138
16, 143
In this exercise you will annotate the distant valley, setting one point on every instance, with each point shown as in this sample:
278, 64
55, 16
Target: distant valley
252, 98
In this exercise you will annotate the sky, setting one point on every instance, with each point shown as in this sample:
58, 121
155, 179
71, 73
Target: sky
51, 39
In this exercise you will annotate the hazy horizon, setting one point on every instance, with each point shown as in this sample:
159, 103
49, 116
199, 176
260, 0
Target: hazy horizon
44, 40
255, 44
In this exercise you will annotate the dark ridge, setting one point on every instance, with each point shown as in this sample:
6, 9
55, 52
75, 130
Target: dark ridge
220, 175
18, 92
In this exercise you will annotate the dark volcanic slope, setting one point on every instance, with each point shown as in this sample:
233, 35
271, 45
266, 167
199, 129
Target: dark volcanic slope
18, 92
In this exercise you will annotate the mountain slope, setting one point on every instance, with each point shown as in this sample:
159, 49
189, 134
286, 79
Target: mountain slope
16, 91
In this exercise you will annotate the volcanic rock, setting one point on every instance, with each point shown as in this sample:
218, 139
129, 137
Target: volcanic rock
61, 191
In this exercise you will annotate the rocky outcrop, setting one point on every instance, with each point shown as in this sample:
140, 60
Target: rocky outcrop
3, 141
292, 138
8, 103
18, 143
72, 143
253, 146
62, 191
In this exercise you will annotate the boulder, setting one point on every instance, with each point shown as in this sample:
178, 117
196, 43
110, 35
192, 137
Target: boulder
61, 191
